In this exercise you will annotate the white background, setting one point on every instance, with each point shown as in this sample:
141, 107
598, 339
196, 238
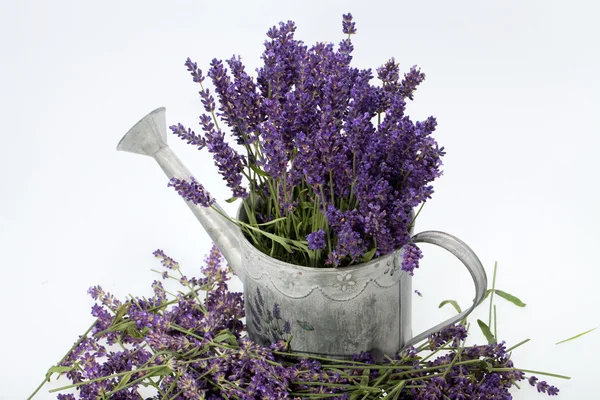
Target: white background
514, 85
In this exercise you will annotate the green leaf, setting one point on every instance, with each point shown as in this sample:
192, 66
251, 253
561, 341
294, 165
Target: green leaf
364, 380
577, 336
123, 382
305, 325
396, 391
121, 326
300, 245
510, 298
225, 336
231, 200
368, 255
121, 311
162, 371
307, 205
486, 331
517, 345
271, 222
487, 294
135, 333
486, 366
451, 302
282, 241
58, 369
259, 171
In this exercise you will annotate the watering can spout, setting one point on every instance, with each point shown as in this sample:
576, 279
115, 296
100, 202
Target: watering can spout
149, 137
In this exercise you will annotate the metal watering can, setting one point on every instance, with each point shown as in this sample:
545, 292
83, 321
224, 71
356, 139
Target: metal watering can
334, 312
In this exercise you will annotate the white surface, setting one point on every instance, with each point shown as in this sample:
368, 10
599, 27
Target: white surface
514, 86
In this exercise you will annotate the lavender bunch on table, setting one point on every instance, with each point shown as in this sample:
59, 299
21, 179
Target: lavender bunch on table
332, 159
192, 345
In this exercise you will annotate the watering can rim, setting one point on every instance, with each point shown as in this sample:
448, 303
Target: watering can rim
327, 270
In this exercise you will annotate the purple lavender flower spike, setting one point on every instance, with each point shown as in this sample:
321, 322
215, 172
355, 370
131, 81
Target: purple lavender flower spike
543, 387
412, 255
188, 135
239, 100
165, 260
411, 80
454, 333
187, 384
389, 74
246, 99
229, 161
213, 263
96, 292
532, 380
316, 240
553, 391
273, 143
348, 27
196, 72
192, 191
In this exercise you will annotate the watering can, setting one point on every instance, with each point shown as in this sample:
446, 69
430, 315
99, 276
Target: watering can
333, 312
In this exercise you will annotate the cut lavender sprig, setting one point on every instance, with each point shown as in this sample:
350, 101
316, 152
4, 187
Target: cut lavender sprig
324, 144
192, 191
196, 346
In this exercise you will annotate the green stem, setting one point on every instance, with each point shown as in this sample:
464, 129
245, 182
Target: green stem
48, 375
107, 377
532, 372
492, 294
412, 223
517, 345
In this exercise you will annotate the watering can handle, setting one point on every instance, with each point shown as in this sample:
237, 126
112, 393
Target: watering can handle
464, 253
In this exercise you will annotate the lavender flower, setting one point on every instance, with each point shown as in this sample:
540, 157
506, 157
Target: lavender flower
229, 162
195, 346
454, 333
274, 143
188, 135
411, 80
348, 26
207, 100
389, 74
307, 124
192, 191
96, 292
410, 258
543, 387
165, 260
316, 240
188, 386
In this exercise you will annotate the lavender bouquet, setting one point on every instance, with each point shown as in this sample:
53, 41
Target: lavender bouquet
191, 344
333, 166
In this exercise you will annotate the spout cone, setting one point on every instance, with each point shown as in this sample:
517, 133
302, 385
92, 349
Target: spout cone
149, 137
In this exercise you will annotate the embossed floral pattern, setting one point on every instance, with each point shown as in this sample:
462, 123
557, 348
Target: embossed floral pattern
388, 266
344, 281
290, 278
